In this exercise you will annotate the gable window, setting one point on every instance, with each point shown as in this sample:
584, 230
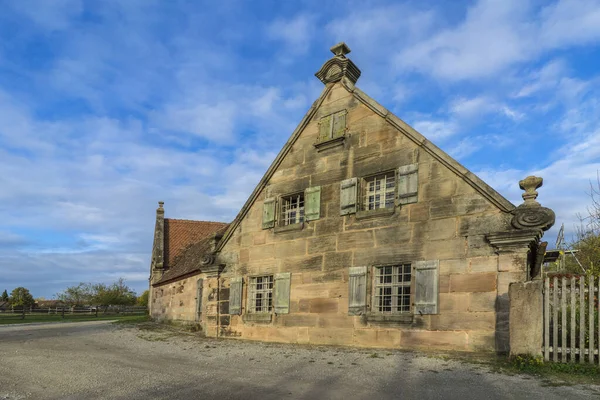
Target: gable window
260, 294
292, 209
391, 294
379, 191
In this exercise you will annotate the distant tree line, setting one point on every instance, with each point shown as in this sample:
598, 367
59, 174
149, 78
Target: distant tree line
101, 294
83, 294
19, 297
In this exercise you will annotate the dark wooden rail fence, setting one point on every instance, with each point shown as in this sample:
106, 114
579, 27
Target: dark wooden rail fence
58, 313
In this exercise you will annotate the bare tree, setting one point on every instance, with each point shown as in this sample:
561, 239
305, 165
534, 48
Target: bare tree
587, 236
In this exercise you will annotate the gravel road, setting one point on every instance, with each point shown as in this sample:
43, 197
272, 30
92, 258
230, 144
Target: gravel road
100, 360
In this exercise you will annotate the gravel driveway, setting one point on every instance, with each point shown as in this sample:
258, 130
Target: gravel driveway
99, 360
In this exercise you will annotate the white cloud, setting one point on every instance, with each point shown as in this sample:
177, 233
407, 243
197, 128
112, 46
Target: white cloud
545, 78
496, 35
296, 33
213, 122
569, 22
436, 130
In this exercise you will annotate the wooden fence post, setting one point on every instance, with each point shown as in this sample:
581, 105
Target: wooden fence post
23, 312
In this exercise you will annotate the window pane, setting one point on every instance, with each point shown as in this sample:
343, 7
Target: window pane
292, 209
392, 289
379, 192
260, 294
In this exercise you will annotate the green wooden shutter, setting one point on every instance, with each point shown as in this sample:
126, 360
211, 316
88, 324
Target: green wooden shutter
282, 292
235, 296
357, 290
339, 124
408, 183
426, 286
325, 128
268, 213
348, 194
312, 203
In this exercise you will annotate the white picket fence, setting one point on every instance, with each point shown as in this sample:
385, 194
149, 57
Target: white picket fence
571, 323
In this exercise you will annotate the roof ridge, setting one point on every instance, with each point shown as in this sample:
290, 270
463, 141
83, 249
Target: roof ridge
195, 220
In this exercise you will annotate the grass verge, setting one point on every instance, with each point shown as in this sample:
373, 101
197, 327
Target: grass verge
72, 318
549, 373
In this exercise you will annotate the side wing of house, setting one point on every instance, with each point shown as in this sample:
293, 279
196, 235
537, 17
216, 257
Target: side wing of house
181, 248
364, 233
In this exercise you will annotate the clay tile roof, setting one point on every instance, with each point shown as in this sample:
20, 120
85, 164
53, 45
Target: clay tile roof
181, 233
186, 242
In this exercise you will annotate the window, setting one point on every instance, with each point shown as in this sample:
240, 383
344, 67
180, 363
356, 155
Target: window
292, 209
260, 294
379, 191
391, 294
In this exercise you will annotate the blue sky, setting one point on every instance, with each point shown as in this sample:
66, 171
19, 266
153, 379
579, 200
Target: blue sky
108, 107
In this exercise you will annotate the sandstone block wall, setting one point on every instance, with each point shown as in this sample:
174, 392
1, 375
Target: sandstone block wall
175, 301
448, 223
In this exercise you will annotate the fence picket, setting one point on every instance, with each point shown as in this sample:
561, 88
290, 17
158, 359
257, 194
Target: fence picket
581, 319
563, 325
547, 319
573, 307
555, 320
591, 319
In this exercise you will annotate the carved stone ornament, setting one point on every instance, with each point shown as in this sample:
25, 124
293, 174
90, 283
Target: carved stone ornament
207, 259
530, 214
339, 66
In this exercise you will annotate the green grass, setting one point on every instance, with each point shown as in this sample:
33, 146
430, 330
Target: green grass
15, 318
550, 373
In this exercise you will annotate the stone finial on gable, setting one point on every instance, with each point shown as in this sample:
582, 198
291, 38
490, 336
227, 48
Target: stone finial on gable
339, 66
530, 214
529, 185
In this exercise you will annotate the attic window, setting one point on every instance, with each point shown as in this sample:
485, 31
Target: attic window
332, 129
292, 209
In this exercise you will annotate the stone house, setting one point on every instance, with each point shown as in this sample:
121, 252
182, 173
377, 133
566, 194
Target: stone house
361, 232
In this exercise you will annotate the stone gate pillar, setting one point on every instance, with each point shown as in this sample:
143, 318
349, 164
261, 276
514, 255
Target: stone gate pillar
517, 250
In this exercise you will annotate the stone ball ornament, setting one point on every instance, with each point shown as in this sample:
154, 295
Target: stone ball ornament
530, 214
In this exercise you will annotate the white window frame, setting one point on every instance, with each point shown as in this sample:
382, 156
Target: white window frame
291, 209
376, 187
260, 294
398, 288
